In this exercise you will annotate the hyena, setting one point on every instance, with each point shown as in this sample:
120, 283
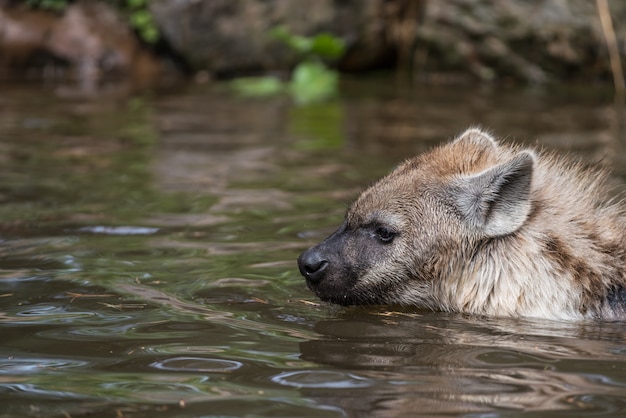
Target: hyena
480, 227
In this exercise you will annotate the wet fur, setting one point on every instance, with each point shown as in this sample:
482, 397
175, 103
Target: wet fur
482, 228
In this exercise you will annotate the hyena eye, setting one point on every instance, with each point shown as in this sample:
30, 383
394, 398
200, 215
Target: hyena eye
385, 235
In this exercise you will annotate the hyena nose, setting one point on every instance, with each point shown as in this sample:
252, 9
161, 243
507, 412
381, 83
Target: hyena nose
312, 266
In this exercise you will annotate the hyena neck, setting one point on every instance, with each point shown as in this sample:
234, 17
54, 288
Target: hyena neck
572, 273
512, 281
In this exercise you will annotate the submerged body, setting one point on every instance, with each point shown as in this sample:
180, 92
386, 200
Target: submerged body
483, 228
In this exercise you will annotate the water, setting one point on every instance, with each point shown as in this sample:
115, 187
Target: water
148, 246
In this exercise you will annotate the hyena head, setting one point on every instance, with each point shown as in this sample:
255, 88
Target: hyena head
412, 234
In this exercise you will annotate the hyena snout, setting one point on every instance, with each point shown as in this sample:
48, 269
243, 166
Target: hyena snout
313, 265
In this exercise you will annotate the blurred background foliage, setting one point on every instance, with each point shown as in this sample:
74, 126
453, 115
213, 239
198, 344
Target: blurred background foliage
311, 79
300, 50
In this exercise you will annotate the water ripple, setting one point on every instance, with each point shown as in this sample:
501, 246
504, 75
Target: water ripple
321, 379
119, 230
197, 364
36, 365
44, 313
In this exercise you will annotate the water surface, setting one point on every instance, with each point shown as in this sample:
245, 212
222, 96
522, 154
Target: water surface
148, 246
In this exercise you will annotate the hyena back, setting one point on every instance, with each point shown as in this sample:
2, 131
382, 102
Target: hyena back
480, 227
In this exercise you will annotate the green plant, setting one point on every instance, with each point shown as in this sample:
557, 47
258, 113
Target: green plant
311, 80
141, 19
322, 45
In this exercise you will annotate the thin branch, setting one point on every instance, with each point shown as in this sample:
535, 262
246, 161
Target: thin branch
611, 44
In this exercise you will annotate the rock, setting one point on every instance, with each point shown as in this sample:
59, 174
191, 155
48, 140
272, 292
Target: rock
88, 41
229, 37
533, 41
528, 40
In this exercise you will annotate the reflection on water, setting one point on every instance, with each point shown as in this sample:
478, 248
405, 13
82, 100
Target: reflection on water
437, 363
148, 246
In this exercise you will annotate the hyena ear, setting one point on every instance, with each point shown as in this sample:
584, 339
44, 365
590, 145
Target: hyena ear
476, 136
497, 201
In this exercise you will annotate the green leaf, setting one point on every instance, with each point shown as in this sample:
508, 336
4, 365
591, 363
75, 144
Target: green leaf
328, 46
323, 45
313, 82
150, 34
257, 86
141, 18
297, 43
